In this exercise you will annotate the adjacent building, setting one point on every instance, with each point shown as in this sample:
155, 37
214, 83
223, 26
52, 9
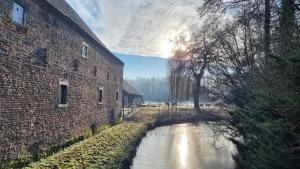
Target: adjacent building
131, 96
57, 79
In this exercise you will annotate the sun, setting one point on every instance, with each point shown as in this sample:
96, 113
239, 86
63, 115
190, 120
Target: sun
167, 44
167, 47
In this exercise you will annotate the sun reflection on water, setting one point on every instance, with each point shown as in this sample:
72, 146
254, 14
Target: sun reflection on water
183, 148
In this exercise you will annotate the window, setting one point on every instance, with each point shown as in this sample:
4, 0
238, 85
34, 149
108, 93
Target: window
84, 50
100, 95
63, 98
18, 13
107, 76
95, 71
40, 56
115, 78
75, 65
63, 94
117, 96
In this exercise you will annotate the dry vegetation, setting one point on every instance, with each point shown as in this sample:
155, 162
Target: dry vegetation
108, 149
113, 147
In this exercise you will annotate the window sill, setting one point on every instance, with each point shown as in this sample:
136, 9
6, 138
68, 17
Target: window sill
99, 103
62, 105
19, 25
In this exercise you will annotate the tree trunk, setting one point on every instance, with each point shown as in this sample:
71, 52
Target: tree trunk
287, 28
267, 30
197, 93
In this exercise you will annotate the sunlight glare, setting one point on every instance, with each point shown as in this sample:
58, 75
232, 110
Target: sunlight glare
183, 149
167, 47
167, 44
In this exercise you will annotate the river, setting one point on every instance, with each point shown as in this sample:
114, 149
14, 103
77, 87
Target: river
184, 146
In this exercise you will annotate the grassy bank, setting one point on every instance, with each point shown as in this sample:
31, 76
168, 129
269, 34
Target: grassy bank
164, 116
114, 147
109, 149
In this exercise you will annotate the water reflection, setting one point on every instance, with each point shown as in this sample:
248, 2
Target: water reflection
184, 147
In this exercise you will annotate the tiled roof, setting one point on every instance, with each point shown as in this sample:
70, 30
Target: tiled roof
131, 90
64, 8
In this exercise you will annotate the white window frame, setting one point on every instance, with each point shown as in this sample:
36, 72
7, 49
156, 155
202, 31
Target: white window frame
87, 50
102, 89
66, 83
23, 14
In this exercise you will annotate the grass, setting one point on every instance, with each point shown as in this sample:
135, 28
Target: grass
146, 114
109, 149
112, 147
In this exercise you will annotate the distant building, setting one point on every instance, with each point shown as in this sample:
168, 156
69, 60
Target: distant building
131, 97
57, 79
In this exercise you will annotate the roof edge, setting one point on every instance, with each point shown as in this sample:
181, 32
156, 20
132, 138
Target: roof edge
103, 48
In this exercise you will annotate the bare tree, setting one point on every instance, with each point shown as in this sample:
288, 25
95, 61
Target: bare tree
191, 59
262, 35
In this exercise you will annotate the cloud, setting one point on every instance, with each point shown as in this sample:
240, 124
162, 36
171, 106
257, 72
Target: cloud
142, 27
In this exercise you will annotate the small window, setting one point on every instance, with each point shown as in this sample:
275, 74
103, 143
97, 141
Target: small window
84, 50
75, 65
63, 98
100, 95
40, 56
95, 71
107, 76
115, 78
18, 13
117, 96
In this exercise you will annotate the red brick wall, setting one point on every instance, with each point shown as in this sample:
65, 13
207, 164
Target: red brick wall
29, 85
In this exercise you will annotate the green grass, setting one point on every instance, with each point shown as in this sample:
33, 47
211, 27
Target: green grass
106, 150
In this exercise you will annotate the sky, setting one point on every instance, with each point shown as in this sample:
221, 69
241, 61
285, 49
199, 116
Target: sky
146, 67
138, 27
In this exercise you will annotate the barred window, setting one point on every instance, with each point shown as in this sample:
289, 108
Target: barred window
100, 95
63, 94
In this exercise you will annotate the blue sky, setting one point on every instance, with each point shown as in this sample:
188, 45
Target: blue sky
137, 66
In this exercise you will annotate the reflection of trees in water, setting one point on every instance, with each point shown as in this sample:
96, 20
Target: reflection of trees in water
222, 132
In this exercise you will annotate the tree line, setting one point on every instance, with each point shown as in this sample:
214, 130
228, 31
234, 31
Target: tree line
248, 55
153, 89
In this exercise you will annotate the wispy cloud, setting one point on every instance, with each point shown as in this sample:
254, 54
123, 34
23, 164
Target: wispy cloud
142, 27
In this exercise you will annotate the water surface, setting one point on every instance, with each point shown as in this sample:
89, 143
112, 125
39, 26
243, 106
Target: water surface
184, 146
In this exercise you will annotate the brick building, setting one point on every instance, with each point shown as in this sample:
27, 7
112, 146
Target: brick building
57, 79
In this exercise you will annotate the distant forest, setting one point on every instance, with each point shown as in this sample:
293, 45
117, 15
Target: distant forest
158, 90
154, 89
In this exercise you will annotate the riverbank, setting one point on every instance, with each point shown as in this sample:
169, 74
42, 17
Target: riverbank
155, 117
115, 147
109, 149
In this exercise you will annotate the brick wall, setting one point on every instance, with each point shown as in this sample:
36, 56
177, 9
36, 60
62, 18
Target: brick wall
33, 60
